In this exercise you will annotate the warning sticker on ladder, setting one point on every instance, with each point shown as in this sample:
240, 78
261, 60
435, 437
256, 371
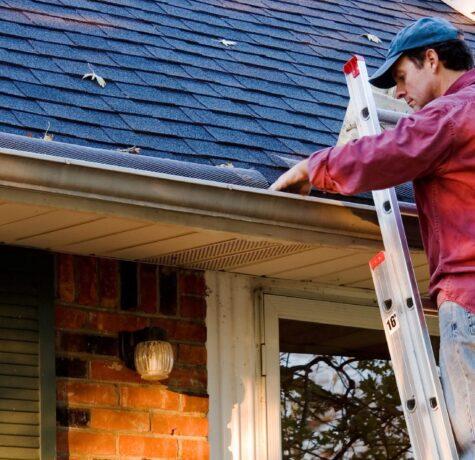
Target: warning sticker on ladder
392, 323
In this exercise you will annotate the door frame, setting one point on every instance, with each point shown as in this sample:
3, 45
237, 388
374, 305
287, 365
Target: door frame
275, 307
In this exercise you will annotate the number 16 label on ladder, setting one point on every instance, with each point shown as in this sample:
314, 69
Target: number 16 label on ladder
392, 323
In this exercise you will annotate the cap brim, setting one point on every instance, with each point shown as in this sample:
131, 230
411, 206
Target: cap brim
383, 77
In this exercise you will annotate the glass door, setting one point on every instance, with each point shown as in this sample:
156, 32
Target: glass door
337, 395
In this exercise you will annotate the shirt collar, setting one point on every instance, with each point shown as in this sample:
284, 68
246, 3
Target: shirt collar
467, 79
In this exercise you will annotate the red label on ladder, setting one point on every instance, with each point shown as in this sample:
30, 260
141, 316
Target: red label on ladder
377, 260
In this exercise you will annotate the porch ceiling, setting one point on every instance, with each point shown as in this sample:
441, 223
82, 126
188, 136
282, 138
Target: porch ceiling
99, 234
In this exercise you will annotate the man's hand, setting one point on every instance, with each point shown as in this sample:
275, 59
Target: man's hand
295, 180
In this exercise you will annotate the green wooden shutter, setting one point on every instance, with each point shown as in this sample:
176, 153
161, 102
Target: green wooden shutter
26, 354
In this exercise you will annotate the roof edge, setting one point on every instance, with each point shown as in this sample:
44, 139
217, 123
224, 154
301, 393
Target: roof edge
81, 185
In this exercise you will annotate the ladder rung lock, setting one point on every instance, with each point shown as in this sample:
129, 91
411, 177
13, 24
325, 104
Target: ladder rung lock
411, 404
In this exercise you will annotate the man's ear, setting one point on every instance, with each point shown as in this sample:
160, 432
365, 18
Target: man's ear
432, 58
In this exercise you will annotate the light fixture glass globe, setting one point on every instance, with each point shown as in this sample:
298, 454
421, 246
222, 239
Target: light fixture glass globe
153, 359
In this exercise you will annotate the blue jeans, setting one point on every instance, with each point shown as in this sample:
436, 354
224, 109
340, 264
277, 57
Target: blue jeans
457, 366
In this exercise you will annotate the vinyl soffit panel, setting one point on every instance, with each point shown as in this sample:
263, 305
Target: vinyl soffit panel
228, 254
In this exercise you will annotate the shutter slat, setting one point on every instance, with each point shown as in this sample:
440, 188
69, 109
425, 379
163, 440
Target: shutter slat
27, 371
19, 393
14, 283
19, 453
13, 346
18, 405
18, 429
18, 334
24, 418
19, 441
17, 311
12, 381
17, 358
18, 323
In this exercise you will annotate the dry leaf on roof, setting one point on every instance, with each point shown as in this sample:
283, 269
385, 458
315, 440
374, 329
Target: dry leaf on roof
226, 165
93, 76
46, 135
372, 38
225, 42
134, 149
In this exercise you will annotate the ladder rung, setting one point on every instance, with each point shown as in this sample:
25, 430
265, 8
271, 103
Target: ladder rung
390, 116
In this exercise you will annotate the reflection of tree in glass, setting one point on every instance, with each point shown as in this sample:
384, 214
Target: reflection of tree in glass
338, 407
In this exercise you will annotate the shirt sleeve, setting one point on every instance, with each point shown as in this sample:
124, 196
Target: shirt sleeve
415, 148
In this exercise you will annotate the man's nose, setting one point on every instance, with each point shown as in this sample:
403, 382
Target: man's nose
400, 92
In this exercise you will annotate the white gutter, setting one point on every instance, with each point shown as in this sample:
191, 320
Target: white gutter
85, 186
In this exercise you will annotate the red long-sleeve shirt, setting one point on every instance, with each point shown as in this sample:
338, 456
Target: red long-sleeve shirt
435, 148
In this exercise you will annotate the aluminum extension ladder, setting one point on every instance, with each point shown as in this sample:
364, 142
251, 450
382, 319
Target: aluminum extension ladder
399, 300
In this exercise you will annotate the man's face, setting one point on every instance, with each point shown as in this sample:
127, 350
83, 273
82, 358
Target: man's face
414, 84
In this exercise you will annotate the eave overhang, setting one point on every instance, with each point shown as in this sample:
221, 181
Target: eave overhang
83, 186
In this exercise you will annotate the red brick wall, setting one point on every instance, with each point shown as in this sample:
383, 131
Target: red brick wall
104, 410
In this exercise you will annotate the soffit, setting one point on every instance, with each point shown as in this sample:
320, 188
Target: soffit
89, 233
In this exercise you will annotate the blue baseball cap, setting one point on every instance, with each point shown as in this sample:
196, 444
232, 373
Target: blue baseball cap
423, 32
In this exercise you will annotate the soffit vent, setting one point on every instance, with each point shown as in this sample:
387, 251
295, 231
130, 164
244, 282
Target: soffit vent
466, 7
228, 254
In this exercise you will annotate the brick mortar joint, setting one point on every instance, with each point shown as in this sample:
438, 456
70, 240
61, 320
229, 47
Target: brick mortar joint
122, 383
193, 295
85, 355
61, 404
194, 415
119, 433
132, 410
114, 335
81, 331
114, 359
146, 434
120, 312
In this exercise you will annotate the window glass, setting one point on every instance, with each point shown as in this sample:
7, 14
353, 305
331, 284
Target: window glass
338, 393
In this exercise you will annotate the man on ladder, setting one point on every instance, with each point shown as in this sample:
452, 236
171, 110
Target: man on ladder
433, 70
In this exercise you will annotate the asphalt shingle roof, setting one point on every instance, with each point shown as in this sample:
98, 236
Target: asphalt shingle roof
177, 91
